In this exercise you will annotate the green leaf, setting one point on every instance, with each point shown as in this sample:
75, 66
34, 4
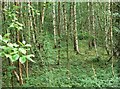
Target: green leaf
1, 47
6, 35
29, 57
15, 57
15, 45
12, 25
22, 50
22, 59
6, 40
0, 37
2, 54
8, 56
28, 45
9, 44
20, 28
19, 23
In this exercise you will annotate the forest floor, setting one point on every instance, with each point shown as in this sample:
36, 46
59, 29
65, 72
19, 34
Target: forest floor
84, 71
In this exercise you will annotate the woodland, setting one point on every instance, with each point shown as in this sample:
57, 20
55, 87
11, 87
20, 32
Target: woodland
60, 44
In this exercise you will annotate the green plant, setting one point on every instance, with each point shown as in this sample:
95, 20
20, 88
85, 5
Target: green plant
14, 51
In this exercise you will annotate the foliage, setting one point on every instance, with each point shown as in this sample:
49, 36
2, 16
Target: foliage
12, 15
33, 22
14, 51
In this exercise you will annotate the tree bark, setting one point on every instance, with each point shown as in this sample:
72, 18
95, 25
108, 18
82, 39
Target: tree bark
76, 48
58, 33
54, 25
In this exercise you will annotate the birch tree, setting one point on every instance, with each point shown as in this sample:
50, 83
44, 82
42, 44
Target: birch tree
76, 48
54, 25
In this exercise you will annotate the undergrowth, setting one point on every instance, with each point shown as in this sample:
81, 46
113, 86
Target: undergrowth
80, 72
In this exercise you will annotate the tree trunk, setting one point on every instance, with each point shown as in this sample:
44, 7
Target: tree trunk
54, 25
76, 48
66, 30
58, 34
106, 32
93, 28
43, 15
18, 40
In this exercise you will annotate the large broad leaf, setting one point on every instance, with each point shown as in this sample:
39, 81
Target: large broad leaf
8, 56
2, 54
0, 37
28, 45
22, 59
15, 45
7, 49
15, 57
22, 50
29, 57
9, 44
5, 40
7, 35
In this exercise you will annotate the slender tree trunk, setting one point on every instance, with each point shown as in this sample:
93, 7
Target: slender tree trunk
76, 48
111, 31
42, 16
33, 25
93, 28
18, 40
58, 34
106, 32
4, 18
71, 21
89, 24
54, 25
66, 30
111, 35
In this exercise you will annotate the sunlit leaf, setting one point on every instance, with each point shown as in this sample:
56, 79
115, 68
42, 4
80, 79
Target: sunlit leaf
28, 45
9, 44
0, 37
15, 57
8, 56
29, 57
6, 40
15, 45
12, 25
6, 35
22, 50
22, 59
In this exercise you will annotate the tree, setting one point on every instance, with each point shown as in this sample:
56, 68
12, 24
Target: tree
59, 31
76, 48
54, 25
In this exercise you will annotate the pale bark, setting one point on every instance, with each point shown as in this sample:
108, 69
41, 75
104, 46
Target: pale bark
42, 16
106, 32
76, 48
71, 21
93, 28
54, 25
